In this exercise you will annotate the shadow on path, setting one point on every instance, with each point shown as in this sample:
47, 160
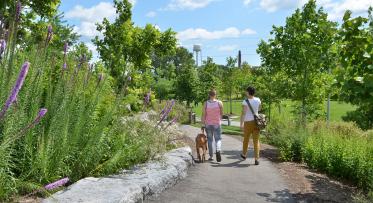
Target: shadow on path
277, 196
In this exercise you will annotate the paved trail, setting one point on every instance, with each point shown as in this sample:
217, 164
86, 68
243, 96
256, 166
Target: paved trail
230, 181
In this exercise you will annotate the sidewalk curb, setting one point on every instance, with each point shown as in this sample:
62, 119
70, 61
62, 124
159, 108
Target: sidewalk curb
135, 185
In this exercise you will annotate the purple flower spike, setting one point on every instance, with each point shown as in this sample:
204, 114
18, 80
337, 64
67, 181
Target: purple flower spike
129, 79
147, 98
169, 109
41, 114
57, 184
65, 48
64, 66
18, 11
50, 33
17, 87
2, 46
174, 120
165, 108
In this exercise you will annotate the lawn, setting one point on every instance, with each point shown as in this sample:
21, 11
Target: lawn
337, 109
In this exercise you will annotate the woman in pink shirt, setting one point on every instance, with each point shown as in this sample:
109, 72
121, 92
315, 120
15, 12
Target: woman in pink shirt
212, 113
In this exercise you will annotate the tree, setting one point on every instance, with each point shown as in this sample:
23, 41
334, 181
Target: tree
37, 9
228, 79
355, 76
302, 51
186, 84
126, 48
209, 77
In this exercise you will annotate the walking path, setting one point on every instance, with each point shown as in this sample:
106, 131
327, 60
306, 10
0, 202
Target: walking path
230, 181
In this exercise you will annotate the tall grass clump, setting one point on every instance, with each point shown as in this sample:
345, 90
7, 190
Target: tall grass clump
341, 149
60, 118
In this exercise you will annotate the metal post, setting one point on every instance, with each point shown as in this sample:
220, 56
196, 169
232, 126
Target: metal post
328, 108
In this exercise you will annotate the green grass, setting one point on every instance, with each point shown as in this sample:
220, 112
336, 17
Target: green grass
337, 109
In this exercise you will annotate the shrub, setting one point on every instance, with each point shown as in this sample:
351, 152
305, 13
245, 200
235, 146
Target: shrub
341, 150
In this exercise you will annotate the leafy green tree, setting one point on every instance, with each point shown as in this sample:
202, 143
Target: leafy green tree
209, 78
37, 10
356, 72
127, 48
243, 77
302, 51
62, 33
186, 84
164, 89
228, 86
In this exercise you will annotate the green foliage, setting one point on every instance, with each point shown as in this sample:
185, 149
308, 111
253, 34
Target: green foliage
355, 76
179, 111
341, 150
164, 89
186, 87
83, 133
133, 45
302, 52
209, 78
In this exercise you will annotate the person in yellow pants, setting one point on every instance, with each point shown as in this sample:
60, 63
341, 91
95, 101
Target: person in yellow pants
250, 107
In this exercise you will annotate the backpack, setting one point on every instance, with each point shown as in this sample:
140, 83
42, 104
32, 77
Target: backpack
260, 119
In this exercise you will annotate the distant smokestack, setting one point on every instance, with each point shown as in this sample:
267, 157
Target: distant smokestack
239, 59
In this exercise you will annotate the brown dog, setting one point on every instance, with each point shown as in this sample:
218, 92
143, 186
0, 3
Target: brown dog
201, 146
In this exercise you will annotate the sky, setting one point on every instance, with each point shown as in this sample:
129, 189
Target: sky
221, 27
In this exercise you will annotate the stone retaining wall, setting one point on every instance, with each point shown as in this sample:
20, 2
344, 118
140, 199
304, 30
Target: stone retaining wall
130, 186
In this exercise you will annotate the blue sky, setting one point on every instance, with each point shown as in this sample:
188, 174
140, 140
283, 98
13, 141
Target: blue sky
222, 27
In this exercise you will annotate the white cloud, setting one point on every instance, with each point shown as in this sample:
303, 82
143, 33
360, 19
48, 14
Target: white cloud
187, 4
200, 33
274, 5
157, 27
93, 14
227, 48
336, 10
248, 31
151, 14
247, 2
88, 17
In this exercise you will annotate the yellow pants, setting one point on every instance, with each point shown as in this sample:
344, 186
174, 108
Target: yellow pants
250, 128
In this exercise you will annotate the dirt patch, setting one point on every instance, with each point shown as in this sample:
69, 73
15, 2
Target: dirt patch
307, 185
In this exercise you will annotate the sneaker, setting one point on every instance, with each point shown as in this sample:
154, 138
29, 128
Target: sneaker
218, 156
243, 157
256, 162
211, 159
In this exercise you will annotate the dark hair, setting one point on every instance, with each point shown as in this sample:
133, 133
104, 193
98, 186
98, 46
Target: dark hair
212, 93
251, 90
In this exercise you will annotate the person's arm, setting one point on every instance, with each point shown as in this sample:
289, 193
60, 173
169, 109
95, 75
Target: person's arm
203, 113
221, 108
242, 117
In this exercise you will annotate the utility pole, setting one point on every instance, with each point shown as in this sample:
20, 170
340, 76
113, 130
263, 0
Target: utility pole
328, 107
